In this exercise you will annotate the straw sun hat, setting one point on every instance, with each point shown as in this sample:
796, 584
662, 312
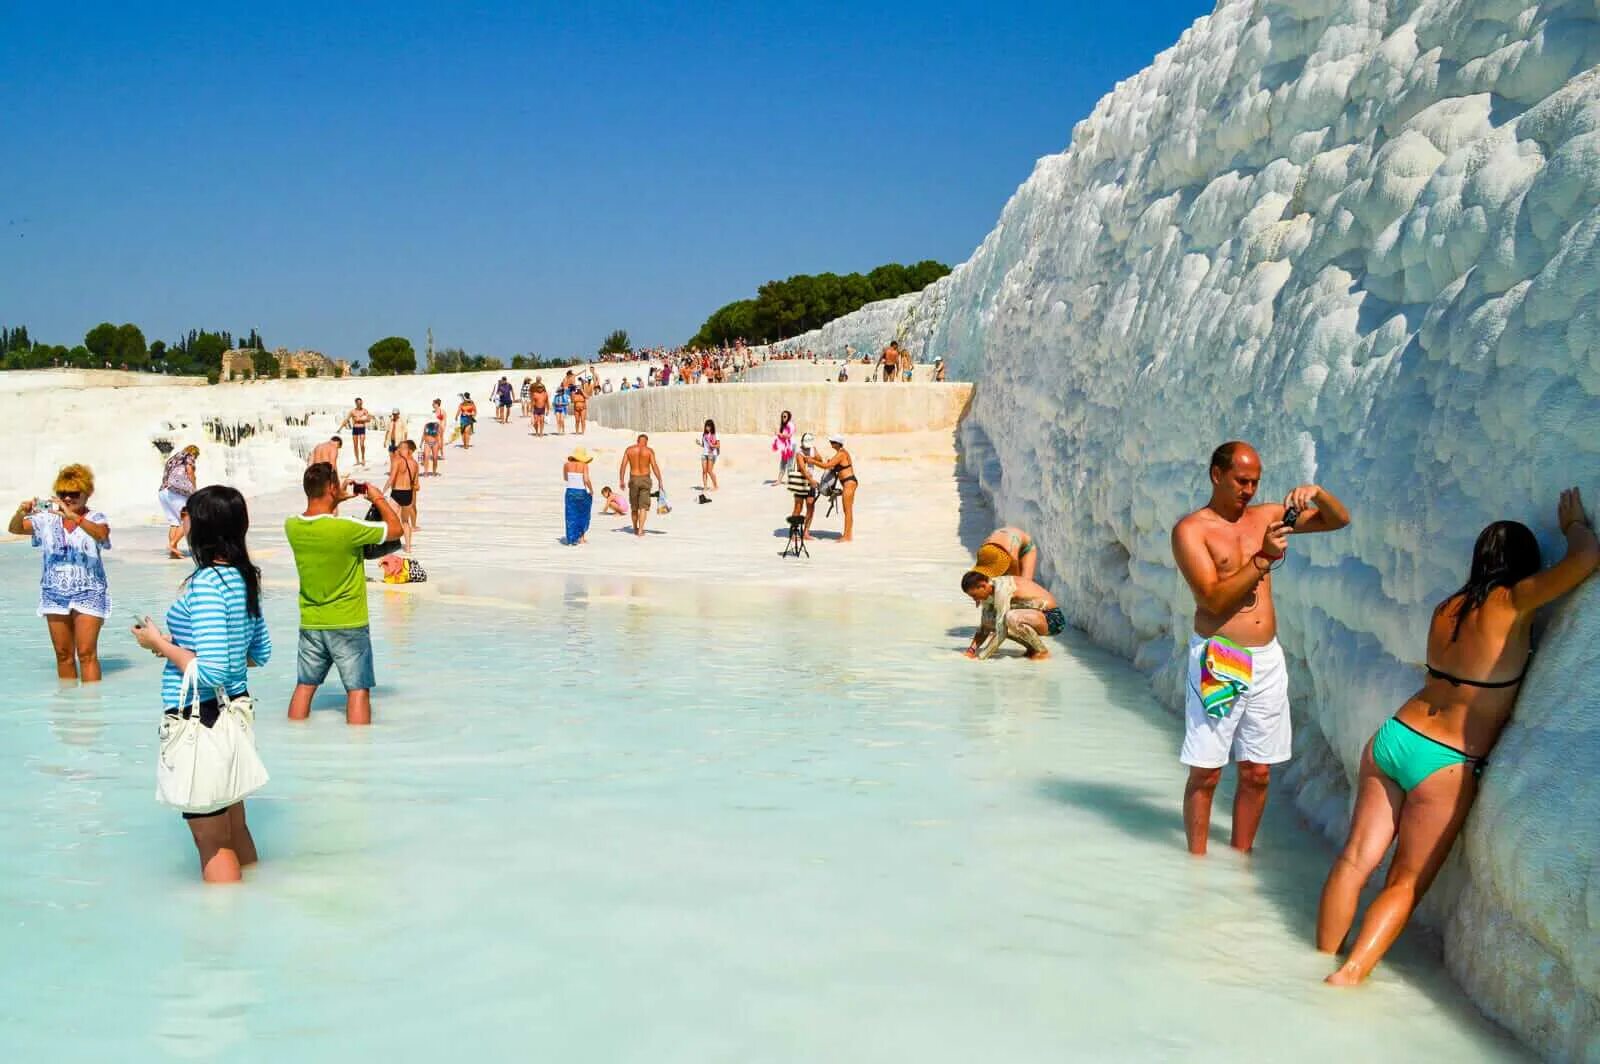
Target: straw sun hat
581, 455
992, 561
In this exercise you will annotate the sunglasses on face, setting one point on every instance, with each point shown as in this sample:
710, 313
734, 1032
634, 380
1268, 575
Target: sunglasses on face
69, 496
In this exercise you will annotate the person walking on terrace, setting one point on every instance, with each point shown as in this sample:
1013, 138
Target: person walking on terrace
358, 419
538, 405
1419, 773
329, 558
634, 476
1237, 705
783, 443
710, 451
177, 484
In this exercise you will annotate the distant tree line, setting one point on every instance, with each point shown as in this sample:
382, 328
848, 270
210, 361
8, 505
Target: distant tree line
809, 301
197, 352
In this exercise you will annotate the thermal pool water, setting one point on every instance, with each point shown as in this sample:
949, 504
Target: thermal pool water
632, 820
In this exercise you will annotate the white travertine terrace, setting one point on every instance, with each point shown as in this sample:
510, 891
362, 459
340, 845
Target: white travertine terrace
1366, 237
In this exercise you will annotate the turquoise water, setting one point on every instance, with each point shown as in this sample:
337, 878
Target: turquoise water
632, 820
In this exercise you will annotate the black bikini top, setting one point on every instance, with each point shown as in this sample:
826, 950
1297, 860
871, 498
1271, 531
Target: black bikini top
1457, 681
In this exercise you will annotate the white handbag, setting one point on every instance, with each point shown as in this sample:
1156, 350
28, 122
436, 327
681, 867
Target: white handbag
201, 769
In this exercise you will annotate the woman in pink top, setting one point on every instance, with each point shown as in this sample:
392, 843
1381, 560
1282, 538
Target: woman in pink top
783, 443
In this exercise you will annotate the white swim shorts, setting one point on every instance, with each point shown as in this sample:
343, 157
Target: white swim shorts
1256, 730
172, 505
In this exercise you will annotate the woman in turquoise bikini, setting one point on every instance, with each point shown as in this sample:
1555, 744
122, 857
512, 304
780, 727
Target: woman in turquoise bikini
1419, 773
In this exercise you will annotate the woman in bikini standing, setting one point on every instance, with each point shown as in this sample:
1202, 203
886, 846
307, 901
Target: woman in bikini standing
433, 440
843, 468
1419, 773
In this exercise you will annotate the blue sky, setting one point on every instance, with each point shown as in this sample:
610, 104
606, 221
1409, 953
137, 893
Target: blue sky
521, 177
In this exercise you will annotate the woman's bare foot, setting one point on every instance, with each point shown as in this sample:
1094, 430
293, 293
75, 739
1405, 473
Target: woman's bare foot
1343, 976
1037, 655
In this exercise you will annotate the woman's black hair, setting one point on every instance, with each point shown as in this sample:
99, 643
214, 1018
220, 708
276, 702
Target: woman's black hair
1506, 552
218, 521
711, 426
784, 418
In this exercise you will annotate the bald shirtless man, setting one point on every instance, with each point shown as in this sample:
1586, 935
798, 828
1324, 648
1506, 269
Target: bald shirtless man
633, 476
1237, 702
326, 452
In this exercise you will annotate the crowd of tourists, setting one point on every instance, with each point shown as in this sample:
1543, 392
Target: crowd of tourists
1418, 773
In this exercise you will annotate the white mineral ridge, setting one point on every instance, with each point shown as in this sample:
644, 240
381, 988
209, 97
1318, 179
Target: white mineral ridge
1366, 237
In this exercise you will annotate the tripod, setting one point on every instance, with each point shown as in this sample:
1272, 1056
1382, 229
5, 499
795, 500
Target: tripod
797, 541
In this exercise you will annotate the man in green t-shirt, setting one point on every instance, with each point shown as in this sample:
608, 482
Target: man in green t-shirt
333, 590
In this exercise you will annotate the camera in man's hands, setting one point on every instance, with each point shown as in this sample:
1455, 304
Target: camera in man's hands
358, 487
1291, 514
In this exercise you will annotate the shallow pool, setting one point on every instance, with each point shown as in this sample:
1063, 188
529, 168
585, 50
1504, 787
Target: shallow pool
626, 820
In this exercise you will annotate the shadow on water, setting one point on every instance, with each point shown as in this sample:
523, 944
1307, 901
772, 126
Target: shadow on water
1126, 808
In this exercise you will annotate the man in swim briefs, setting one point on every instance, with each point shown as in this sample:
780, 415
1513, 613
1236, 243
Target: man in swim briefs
638, 466
358, 419
1017, 545
1014, 607
326, 452
1237, 701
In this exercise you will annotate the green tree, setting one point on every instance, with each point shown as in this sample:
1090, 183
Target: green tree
616, 343
131, 348
805, 301
101, 341
392, 355
266, 363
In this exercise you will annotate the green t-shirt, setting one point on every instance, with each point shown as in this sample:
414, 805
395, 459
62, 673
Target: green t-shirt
333, 583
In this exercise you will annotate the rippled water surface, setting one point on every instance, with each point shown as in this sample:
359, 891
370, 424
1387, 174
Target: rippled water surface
647, 821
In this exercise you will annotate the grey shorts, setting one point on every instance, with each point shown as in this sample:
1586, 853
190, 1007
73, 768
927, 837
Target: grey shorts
348, 648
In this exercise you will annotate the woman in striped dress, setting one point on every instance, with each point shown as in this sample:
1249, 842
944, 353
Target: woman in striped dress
217, 624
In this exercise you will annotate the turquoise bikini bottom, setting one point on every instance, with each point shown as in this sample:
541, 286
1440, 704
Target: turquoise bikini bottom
1408, 757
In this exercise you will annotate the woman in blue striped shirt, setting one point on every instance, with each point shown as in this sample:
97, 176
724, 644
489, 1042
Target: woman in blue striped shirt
217, 624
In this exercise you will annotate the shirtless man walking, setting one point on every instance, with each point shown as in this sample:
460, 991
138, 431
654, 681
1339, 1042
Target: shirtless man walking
1237, 702
638, 466
358, 419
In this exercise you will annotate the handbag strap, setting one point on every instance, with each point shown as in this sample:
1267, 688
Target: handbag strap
189, 692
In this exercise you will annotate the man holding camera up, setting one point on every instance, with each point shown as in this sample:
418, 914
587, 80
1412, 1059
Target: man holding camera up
333, 589
1237, 701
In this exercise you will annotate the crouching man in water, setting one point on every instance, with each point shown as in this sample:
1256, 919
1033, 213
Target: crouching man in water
1237, 705
1014, 607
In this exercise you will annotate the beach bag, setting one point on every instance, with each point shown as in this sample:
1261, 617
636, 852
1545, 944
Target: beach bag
201, 769
373, 551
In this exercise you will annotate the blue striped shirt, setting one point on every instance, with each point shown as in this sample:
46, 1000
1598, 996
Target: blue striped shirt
211, 619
